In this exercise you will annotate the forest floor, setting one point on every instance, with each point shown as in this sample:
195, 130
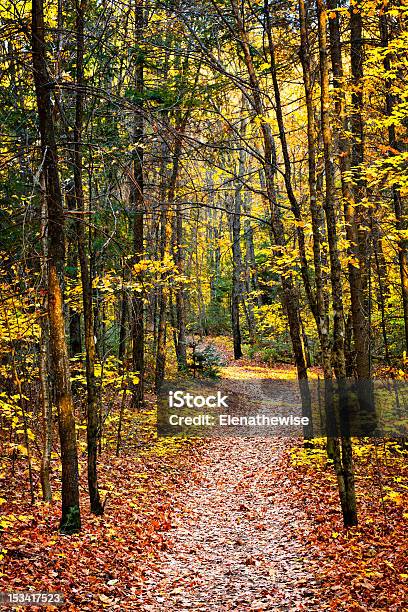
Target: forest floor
233, 543
218, 524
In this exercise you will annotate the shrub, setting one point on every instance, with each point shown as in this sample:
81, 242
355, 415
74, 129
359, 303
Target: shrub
209, 361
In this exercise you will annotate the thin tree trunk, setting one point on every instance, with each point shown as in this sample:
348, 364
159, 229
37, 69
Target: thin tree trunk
75, 343
122, 327
46, 403
351, 157
70, 519
341, 452
321, 315
137, 202
162, 289
92, 395
360, 320
396, 193
235, 217
344, 157
169, 197
216, 261
181, 350
121, 415
75, 340
294, 204
251, 282
162, 308
236, 294
330, 199
46, 408
381, 288
180, 295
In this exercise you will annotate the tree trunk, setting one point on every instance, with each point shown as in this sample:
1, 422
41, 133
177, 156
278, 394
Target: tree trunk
235, 217
358, 281
381, 292
46, 402
162, 289
251, 281
169, 197
345, 161
122, 327
75, 340
75, 343
396, 193
236, 294
294, 204
342, 455
320, 312
137, 203
181, 350
330, 200
46, 406
92, 396
70, 520
162, 308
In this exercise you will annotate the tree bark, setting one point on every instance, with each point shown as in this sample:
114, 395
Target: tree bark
169, 196
75, 339
320, 311
236, 293
70, 519
396, 193
137, 203
251, 282
235, 221
344, 157
294, 204
358, 281
46, 402
122, 327
341, 451
181, 350
92, 396
162, 289
338, 359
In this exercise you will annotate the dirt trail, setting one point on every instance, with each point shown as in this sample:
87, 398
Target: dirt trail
233, 544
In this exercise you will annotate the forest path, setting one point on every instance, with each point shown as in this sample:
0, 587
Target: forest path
235, 539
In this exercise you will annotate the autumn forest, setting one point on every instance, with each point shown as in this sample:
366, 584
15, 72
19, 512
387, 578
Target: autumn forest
206, 194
